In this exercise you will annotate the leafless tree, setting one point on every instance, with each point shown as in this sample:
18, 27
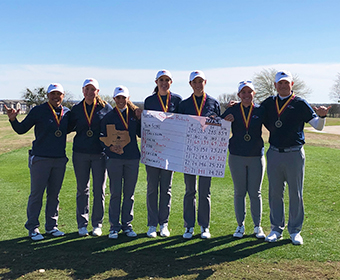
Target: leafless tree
335, 90
264, 85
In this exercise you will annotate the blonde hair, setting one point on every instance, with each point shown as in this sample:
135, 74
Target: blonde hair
100, 101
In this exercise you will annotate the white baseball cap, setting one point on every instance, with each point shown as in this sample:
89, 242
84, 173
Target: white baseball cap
121, 90
283, 75
91, 81
55, 87
163, 72
243, 84
195, 74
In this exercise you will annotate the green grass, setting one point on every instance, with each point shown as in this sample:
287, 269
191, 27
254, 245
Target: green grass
72, 257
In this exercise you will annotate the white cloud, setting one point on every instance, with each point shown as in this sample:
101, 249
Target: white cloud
15, 78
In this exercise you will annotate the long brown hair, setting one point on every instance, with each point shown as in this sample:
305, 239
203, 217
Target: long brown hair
100, 101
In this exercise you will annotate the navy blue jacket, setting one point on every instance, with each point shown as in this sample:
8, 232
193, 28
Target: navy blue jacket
152, 102
294, 117
46, 144
78, 122
237, 145
211, 106
131, 150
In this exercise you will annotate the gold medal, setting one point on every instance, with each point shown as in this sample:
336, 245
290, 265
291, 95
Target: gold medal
247, 137
89, 133
58, 133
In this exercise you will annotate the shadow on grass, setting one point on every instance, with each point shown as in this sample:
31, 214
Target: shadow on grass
133, 257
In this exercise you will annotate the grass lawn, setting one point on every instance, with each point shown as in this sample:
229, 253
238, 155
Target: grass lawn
221, 257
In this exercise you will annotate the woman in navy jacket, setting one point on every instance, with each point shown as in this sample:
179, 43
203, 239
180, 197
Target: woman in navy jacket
88, 156
246, 157
159, 211
199, 104
119, 129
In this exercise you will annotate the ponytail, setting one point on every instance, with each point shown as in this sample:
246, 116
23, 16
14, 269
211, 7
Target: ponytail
155, 91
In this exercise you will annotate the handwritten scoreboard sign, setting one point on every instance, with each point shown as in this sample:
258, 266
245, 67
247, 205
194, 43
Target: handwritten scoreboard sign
184, 143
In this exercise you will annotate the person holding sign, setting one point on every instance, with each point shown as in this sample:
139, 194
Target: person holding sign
160, 179
199, 104
285, 116
88, 156
118, 130
47, 158
246, 157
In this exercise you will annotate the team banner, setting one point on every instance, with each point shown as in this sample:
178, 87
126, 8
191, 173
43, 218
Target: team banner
184, 143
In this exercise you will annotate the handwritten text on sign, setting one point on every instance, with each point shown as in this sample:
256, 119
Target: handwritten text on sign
184, 143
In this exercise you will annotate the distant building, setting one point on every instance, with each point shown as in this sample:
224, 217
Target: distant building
16, 104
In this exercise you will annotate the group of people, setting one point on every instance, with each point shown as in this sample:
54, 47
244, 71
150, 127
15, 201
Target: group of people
105, 143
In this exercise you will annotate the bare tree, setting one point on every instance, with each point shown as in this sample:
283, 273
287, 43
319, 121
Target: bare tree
264, 85
35, 97
335, 90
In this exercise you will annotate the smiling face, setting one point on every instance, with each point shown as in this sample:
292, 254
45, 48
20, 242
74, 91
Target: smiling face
121, 101
284, 88
90, 93
163, 83
197, 85
246, 95
55, 98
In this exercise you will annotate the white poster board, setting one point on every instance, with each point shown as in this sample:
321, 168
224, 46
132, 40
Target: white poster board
184, 143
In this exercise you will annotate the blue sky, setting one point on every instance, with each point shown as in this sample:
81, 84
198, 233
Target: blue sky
127, 42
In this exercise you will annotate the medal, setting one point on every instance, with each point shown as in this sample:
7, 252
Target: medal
57, 119
278, 123
58, 133
279, 111
89, 133
246, 120
200, 109
247, 137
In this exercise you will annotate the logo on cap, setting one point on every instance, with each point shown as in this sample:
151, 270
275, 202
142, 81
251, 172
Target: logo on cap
120, 89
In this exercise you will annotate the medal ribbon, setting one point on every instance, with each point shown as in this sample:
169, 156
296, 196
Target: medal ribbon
57, 120
246, 120
125, 122
166, 107
280, 111
199, 110
89, 118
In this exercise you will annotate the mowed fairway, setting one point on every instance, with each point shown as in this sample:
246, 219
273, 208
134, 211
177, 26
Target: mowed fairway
221, 257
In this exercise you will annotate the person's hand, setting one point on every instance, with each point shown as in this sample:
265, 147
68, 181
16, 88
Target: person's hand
138, 113
322, 110
229, 118
231, 103
12, 113
116, 149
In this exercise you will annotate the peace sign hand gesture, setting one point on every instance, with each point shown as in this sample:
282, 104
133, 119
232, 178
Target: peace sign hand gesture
12, 113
